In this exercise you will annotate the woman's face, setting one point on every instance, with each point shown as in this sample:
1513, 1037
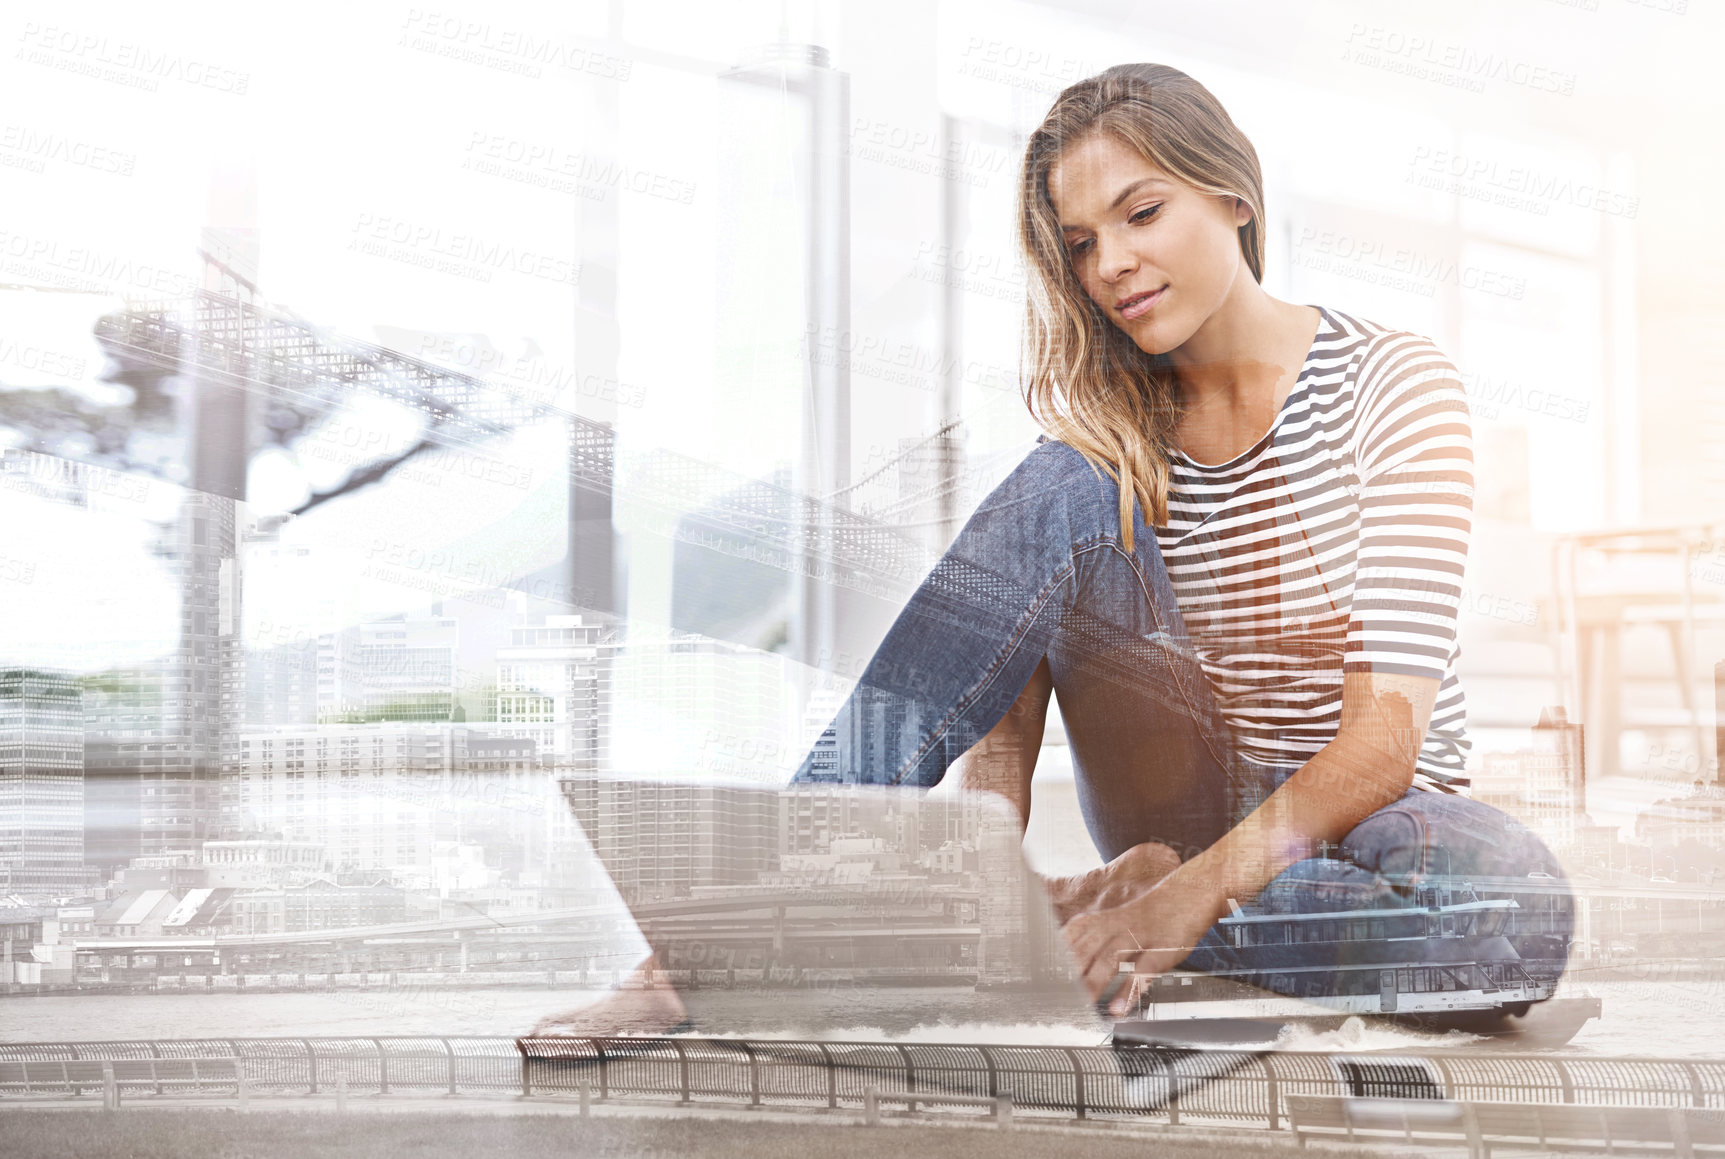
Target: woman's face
1156, 255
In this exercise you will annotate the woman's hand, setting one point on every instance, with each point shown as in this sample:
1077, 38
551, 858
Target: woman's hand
1368, 765
1155, 932
1116, 883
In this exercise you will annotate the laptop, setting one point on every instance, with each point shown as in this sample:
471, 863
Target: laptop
826, 912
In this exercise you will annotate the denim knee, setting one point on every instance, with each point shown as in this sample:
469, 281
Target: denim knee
1053, 469
1324, 885
1394, 842
1466, 838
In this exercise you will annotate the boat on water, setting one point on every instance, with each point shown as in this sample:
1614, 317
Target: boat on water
1446, 965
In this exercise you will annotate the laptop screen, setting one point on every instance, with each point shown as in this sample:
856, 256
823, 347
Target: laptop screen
739, 909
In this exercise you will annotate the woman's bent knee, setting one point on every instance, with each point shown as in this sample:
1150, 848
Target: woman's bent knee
1057, 475
1442, 834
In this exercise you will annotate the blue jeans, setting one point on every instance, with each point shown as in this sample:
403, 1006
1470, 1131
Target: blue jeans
1040, 570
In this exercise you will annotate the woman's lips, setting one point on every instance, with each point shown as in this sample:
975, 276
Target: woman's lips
1140, 305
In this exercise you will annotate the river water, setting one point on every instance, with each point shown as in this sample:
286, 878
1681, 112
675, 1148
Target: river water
1664, 1019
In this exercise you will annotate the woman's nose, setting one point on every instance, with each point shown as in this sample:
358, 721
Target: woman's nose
1114, 261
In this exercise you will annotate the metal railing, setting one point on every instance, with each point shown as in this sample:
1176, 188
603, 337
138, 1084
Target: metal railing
1163, 1084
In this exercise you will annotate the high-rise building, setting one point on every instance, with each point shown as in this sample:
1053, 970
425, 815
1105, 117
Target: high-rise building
384, 795
823, 752
1004, 952
41, 783
858, 736
815, 818
554, 687
929, 488
1544, 786
157, 734
1670, 823
945, 820
408, 668
296, 671
693, 703
810, 816
281, 685
660, 839
339, 674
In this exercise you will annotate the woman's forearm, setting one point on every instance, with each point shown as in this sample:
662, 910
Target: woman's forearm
1341, 785
1004, 762
1368, 765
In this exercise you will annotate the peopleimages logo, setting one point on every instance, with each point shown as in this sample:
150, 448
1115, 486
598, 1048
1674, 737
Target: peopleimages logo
986, 275
923, 151
896, 361
1489, 397
1400, 267
355, 446
1515, 186
84, 268
485, 581
22, 147
1447, 62
530, 378
1019, 67
463, 254
562, 170
41, 360
516, 50
122, 61
26, 470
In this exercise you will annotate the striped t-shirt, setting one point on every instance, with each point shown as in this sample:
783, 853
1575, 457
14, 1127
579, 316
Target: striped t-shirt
1334, 544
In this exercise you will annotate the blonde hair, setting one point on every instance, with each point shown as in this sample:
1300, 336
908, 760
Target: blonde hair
1086, 382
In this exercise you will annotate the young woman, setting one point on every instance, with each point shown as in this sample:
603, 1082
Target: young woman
1238, 560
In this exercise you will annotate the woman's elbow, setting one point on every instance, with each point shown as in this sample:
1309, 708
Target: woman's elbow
1363, 778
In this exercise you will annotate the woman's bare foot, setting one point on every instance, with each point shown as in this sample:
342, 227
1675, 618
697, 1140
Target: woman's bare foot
653, 1009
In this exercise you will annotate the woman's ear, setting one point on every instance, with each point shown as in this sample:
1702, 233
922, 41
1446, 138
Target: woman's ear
1242, 211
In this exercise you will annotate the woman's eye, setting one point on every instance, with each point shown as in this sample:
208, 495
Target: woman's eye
1077, 248
1144, 214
